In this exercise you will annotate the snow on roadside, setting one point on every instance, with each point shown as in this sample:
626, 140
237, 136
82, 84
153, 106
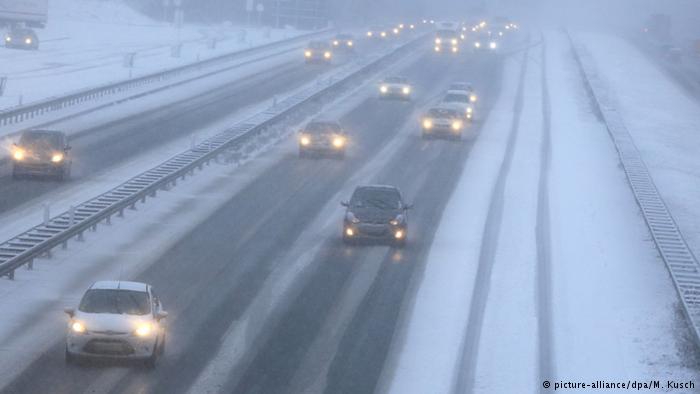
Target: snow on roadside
614, 306
511, 308
663, 120
85, 42
423, 357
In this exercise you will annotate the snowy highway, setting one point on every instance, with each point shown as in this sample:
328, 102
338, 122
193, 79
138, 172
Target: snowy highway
528, 260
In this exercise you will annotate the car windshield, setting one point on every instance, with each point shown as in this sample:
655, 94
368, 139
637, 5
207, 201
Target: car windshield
343, 36
322, 128
447, 34
456, 98
41, 140
317, 45
395, 80
442, 113
379, 198
115, 301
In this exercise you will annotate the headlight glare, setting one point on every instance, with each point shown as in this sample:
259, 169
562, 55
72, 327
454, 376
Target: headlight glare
78, 327
305, 140
338, 142
143, 329
406, 90
57, 158
18, 154
427, 124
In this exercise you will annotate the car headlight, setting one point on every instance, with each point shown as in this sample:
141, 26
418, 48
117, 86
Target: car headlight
57, 158
437, 48
401, 26
438, 41
338, 142
78, 327
406, 90
307, 53
327, 55
396, 31
370, 34
350, 217
350, 43
473, 98
456, 125
8, 38
492, 45
427, 123
412, 27
18, 154
396, 221
28, 40
500, 33
399, 234
143, 329
454, 41
383, 89
477, 44
454, 49
383, 34
336, 43
470, 110
305, 140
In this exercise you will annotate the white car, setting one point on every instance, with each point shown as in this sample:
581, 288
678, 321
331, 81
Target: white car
395, 87
117, 319
441, 121
460, 101
465, 87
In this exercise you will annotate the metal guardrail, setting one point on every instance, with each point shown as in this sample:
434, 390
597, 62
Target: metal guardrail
41, 239
679, 258
32, 110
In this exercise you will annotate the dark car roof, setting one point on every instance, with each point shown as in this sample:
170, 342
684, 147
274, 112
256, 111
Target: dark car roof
343, 36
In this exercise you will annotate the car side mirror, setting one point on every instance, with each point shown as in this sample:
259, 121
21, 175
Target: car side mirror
407, 207
67, 148
345, 203
69, 311
161, 315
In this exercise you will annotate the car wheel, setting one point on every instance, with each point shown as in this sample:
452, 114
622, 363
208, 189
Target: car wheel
70, 357
150, 362
161, 348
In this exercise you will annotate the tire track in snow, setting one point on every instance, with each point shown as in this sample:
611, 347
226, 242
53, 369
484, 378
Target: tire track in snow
464, 381
543, 236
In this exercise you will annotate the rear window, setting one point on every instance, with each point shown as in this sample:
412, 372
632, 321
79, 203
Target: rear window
116, 302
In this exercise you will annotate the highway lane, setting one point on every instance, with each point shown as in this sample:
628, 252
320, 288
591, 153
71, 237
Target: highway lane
209, 279
97, 149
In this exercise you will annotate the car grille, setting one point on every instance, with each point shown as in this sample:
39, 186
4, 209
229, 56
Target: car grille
115, 347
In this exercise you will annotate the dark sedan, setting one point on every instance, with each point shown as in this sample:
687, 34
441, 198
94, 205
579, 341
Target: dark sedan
376, 212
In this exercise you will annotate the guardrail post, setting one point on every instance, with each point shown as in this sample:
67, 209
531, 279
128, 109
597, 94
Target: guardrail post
30, 265
47, 213
80, 237
109, 219
11, 275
